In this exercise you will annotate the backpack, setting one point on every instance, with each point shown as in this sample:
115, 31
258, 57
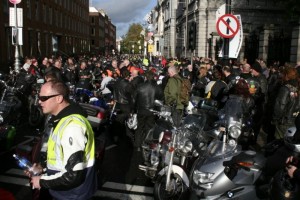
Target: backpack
185, 89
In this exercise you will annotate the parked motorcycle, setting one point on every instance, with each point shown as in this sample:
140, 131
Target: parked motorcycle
36, 115
169, 153
10, 114
225, 170
96, 108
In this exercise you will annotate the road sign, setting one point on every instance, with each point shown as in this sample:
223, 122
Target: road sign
12, 17
228, 26
150, 41
235, 43
220, 12
15, 1
150, 48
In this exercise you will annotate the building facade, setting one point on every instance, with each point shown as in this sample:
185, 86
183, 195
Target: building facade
102, 33
267, 32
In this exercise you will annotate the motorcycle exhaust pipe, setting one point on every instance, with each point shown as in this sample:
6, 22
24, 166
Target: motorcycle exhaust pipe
146, 168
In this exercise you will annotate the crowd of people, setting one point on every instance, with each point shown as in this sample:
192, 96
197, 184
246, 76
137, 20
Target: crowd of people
270, 92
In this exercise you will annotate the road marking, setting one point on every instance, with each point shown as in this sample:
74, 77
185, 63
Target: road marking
14, 180
110, 147
121, 196
15, 172
128, 187
26, 141
101, 193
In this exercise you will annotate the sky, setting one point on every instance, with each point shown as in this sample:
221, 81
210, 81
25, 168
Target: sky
124, 12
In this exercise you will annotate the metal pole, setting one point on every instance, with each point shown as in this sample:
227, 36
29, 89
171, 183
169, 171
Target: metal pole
226, 40
17, 61
186, 27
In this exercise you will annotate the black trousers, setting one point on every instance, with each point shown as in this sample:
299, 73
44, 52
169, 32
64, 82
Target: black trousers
145, 123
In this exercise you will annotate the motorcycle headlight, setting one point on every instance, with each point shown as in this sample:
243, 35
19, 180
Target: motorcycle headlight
203, 179
188, 146
235, 131
154, 159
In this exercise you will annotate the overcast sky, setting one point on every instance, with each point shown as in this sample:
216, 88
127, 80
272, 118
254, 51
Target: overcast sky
124, 12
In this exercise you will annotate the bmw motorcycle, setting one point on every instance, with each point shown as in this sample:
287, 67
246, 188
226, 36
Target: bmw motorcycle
226, 170
169, 153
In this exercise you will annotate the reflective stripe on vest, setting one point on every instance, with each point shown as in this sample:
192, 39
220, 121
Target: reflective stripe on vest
55, 151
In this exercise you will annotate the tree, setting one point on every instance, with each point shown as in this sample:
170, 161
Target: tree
133, 38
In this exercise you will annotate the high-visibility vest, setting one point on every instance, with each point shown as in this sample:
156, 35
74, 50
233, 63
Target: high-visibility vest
55, 151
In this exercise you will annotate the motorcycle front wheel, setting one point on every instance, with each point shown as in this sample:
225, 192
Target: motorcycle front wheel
178, 188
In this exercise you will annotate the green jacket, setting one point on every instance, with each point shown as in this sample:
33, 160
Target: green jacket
171, 92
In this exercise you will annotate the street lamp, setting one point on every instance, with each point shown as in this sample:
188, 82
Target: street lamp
132, 49
16, 35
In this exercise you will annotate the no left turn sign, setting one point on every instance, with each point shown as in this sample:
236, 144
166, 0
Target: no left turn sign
228, 26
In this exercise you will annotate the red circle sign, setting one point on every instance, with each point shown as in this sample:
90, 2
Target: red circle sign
228, 26
15, 1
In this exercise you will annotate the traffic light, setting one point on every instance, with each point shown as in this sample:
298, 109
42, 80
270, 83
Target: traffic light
192, 36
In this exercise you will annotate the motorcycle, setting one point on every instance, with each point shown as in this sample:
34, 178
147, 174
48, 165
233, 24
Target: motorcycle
96, 108
169, 153
226, 170
36, 115
11, 110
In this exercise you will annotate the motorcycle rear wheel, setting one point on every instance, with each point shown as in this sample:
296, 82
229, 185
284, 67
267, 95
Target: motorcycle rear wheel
179, 189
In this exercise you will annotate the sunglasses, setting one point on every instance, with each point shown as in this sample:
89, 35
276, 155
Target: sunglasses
45, 98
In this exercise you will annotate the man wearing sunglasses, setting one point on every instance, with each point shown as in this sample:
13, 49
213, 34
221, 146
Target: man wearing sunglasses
70, 171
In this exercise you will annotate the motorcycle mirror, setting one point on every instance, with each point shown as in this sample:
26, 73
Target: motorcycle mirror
158, 103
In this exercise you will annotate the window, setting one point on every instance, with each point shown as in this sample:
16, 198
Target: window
28, 4
93, 31
37, 10
93, 42
50, 16
45, 13
5, 7
93, 20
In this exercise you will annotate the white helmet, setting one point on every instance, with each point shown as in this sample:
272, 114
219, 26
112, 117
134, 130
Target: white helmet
189, 108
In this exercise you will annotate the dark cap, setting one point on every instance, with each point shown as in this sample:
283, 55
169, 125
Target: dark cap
256, 66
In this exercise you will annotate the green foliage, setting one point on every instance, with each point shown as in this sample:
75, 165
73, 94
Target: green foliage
133, 38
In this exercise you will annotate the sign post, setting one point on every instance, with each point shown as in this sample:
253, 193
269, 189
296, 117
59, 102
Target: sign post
235, 43
226, 40
16, 35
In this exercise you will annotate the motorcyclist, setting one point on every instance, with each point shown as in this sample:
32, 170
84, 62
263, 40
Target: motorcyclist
287, 103
284, 153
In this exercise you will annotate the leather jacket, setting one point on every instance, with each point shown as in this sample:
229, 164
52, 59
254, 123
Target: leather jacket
287, 103
145, 96
122, 91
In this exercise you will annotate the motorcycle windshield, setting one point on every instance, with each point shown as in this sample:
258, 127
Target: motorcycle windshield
195, 122
218, 148
233, 109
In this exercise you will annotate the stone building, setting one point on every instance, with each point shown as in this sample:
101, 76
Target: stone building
268, 34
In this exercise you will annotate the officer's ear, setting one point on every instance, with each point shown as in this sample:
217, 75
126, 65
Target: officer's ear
60, 98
